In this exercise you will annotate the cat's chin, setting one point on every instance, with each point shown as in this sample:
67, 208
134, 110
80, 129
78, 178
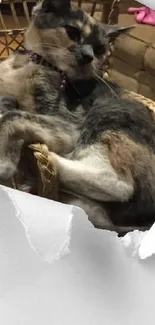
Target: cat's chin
79, 73
80, 77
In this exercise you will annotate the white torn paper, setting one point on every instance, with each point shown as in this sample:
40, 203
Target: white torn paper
56, 268
38, 215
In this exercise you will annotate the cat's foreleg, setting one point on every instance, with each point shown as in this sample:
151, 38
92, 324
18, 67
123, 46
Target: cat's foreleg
92, 175
19, 128
8, 103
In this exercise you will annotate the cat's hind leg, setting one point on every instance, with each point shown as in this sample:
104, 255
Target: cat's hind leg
92, 175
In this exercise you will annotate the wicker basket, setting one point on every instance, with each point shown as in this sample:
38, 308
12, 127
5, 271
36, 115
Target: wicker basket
15, 16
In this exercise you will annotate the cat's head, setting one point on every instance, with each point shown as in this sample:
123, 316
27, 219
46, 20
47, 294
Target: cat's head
69, 38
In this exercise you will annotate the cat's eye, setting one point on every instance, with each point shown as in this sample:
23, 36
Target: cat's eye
73, 33
99, 49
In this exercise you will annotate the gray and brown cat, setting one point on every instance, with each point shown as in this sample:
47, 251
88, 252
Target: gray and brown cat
103, 145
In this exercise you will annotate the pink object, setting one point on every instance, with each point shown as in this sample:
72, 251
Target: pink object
143, 15
134, 10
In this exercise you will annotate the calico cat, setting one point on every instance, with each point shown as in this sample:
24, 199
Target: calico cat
102, 143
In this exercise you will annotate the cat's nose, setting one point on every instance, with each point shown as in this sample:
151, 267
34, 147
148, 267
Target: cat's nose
87, 54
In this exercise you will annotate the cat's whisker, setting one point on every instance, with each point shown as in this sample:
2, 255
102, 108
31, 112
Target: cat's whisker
38, 46
98, 78
74, 87
52, 49
55, 47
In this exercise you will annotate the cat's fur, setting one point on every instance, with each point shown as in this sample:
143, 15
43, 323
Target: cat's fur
103, 144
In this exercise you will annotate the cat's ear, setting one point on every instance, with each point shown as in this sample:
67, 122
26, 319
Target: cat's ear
56, 6
113, 31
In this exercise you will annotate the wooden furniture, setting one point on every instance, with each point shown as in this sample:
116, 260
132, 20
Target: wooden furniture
109, 9
133, 60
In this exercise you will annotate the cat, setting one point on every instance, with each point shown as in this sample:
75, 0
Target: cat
101, 143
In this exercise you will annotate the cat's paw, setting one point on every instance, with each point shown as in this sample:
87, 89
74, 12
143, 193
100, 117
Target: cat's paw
7, 170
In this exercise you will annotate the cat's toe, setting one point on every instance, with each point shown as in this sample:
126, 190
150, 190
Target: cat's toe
7, 170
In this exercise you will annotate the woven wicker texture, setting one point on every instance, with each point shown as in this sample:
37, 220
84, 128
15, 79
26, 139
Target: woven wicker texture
14, 17
45, 183
146, 101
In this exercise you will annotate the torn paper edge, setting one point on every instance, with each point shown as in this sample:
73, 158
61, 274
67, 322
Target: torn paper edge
137, 243
65, 249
